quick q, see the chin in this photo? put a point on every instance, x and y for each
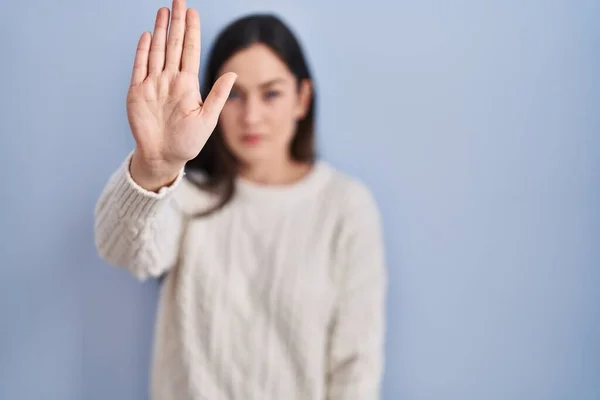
(253, 155)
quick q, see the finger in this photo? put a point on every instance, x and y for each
(215, 101)
(159, 39)
(190, 59)
(176, 33)
(140, 62)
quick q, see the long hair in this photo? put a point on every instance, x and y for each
(215, 161)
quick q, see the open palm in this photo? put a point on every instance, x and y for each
(168, 119)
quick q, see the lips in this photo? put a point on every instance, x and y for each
(252, 138)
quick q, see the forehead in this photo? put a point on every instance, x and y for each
(256, 65)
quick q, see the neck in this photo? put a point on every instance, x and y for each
(275, 172)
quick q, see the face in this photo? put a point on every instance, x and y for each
(259, 119)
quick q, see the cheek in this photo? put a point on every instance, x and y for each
(228, 114)
(228, 120)
(283, 119)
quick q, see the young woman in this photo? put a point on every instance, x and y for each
(273, 263)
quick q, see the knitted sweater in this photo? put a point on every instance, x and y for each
(278, 296)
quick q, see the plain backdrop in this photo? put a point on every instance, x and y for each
(475, 123)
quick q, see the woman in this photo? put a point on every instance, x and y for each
(273, 265)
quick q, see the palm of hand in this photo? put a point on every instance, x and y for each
(168, 119)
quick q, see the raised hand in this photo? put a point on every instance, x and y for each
(168, 119)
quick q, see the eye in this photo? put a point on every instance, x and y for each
(233, 95)
(271, 94)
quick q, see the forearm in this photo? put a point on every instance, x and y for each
(357, 352)
(137, 229)
(356, 355)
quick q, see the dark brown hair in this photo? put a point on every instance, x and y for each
(216, 162)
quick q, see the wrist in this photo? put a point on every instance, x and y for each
(152, 176)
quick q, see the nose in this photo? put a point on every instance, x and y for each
(252, 110)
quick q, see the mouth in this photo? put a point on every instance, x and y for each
(252, 138)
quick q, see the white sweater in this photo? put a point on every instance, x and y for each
(278, 296)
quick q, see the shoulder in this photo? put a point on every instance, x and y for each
(189, 195)
(358, 239)
(350, 195)
(353, 205)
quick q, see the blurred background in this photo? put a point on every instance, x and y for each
(475, 123)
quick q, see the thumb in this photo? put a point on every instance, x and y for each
(215, 101)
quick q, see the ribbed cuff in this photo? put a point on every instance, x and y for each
(135, 202)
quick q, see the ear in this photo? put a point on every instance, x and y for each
(304, 98)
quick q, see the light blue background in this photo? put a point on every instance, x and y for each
(476, 124)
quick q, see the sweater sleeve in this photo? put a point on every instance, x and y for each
(356, 351)
(137, 229)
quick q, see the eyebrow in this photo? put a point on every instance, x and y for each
(271, 82)
(265, 84)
